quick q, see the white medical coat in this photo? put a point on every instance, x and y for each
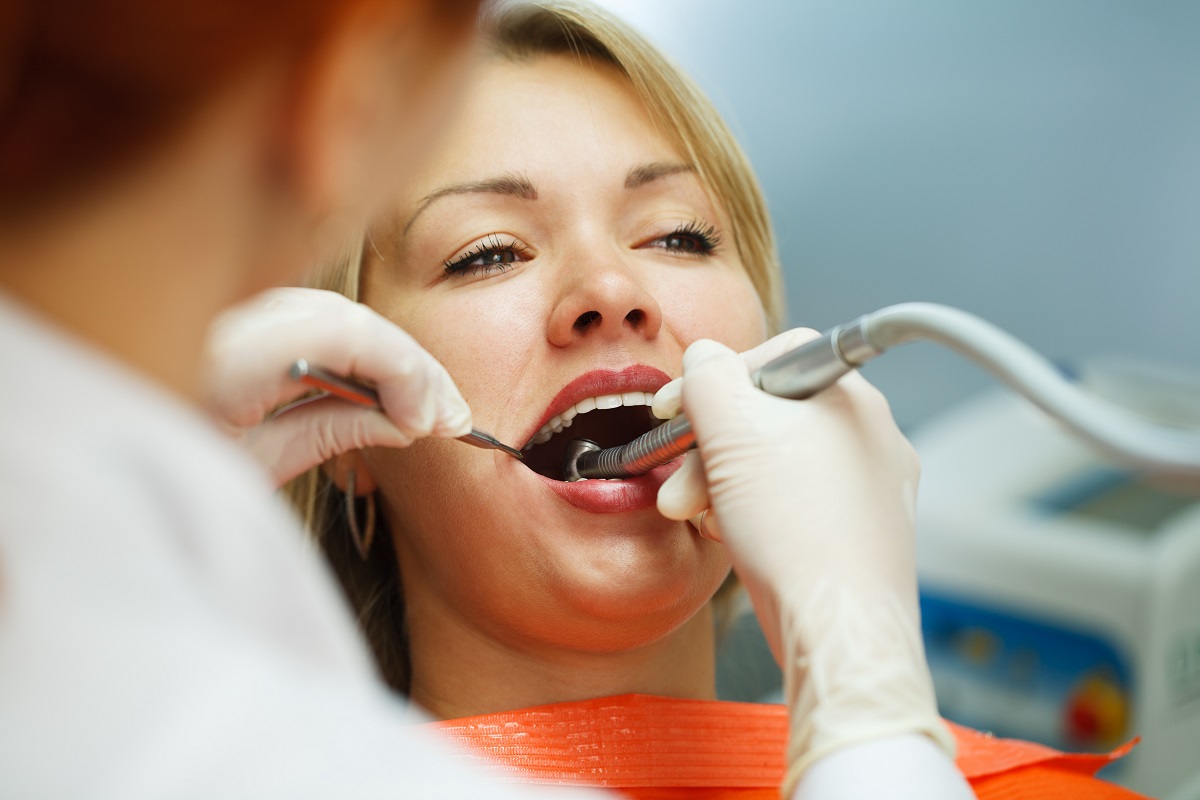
(164, 631)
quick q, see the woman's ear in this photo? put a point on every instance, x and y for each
(339, 469)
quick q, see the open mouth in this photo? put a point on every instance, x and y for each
(608, 420)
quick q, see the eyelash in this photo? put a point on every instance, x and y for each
(706, 237)
(490, 247)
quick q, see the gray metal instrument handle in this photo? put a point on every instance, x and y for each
(816, 365)
(796, 374)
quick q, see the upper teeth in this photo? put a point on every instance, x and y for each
(558, 422)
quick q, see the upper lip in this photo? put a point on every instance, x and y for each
(634, 378)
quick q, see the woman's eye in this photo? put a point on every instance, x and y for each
(692, 239)
(490, 255)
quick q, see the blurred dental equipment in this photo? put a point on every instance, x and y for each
(1060, 596)
(816, 365)
(340, 387)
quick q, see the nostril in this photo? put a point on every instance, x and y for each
(635, 318)
(585, 320)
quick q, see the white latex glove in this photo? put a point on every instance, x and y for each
(252, 345)
(814, 501)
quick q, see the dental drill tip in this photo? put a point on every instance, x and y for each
(575, 450)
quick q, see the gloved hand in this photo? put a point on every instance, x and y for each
(814, 501)
(252, 345)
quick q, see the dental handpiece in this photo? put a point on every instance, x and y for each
(818, 364)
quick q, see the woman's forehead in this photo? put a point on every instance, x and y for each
(550, 119)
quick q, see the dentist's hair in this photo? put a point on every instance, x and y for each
(87, 89)
(685, 118)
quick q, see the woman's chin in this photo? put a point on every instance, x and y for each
(616, 557)
(597, 570)
(619, 623)
(604, 611)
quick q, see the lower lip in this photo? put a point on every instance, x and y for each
(613, 497)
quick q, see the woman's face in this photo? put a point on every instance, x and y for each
(557, 256)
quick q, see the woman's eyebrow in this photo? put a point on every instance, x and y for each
(645, 173)
(513, 185)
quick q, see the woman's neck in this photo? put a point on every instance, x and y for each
(458, 672)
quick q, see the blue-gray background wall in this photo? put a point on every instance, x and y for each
(1036, 162)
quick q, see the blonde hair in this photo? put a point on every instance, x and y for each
(685, 118)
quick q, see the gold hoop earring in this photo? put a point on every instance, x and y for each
(362, 542)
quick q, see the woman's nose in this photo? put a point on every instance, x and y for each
(607, 301)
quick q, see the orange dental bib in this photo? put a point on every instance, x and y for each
(652, 748)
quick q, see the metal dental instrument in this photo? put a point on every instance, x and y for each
(345, 389)
(818, 364)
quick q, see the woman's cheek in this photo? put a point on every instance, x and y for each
(747, 329)
(480, 334)
(722, 306)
